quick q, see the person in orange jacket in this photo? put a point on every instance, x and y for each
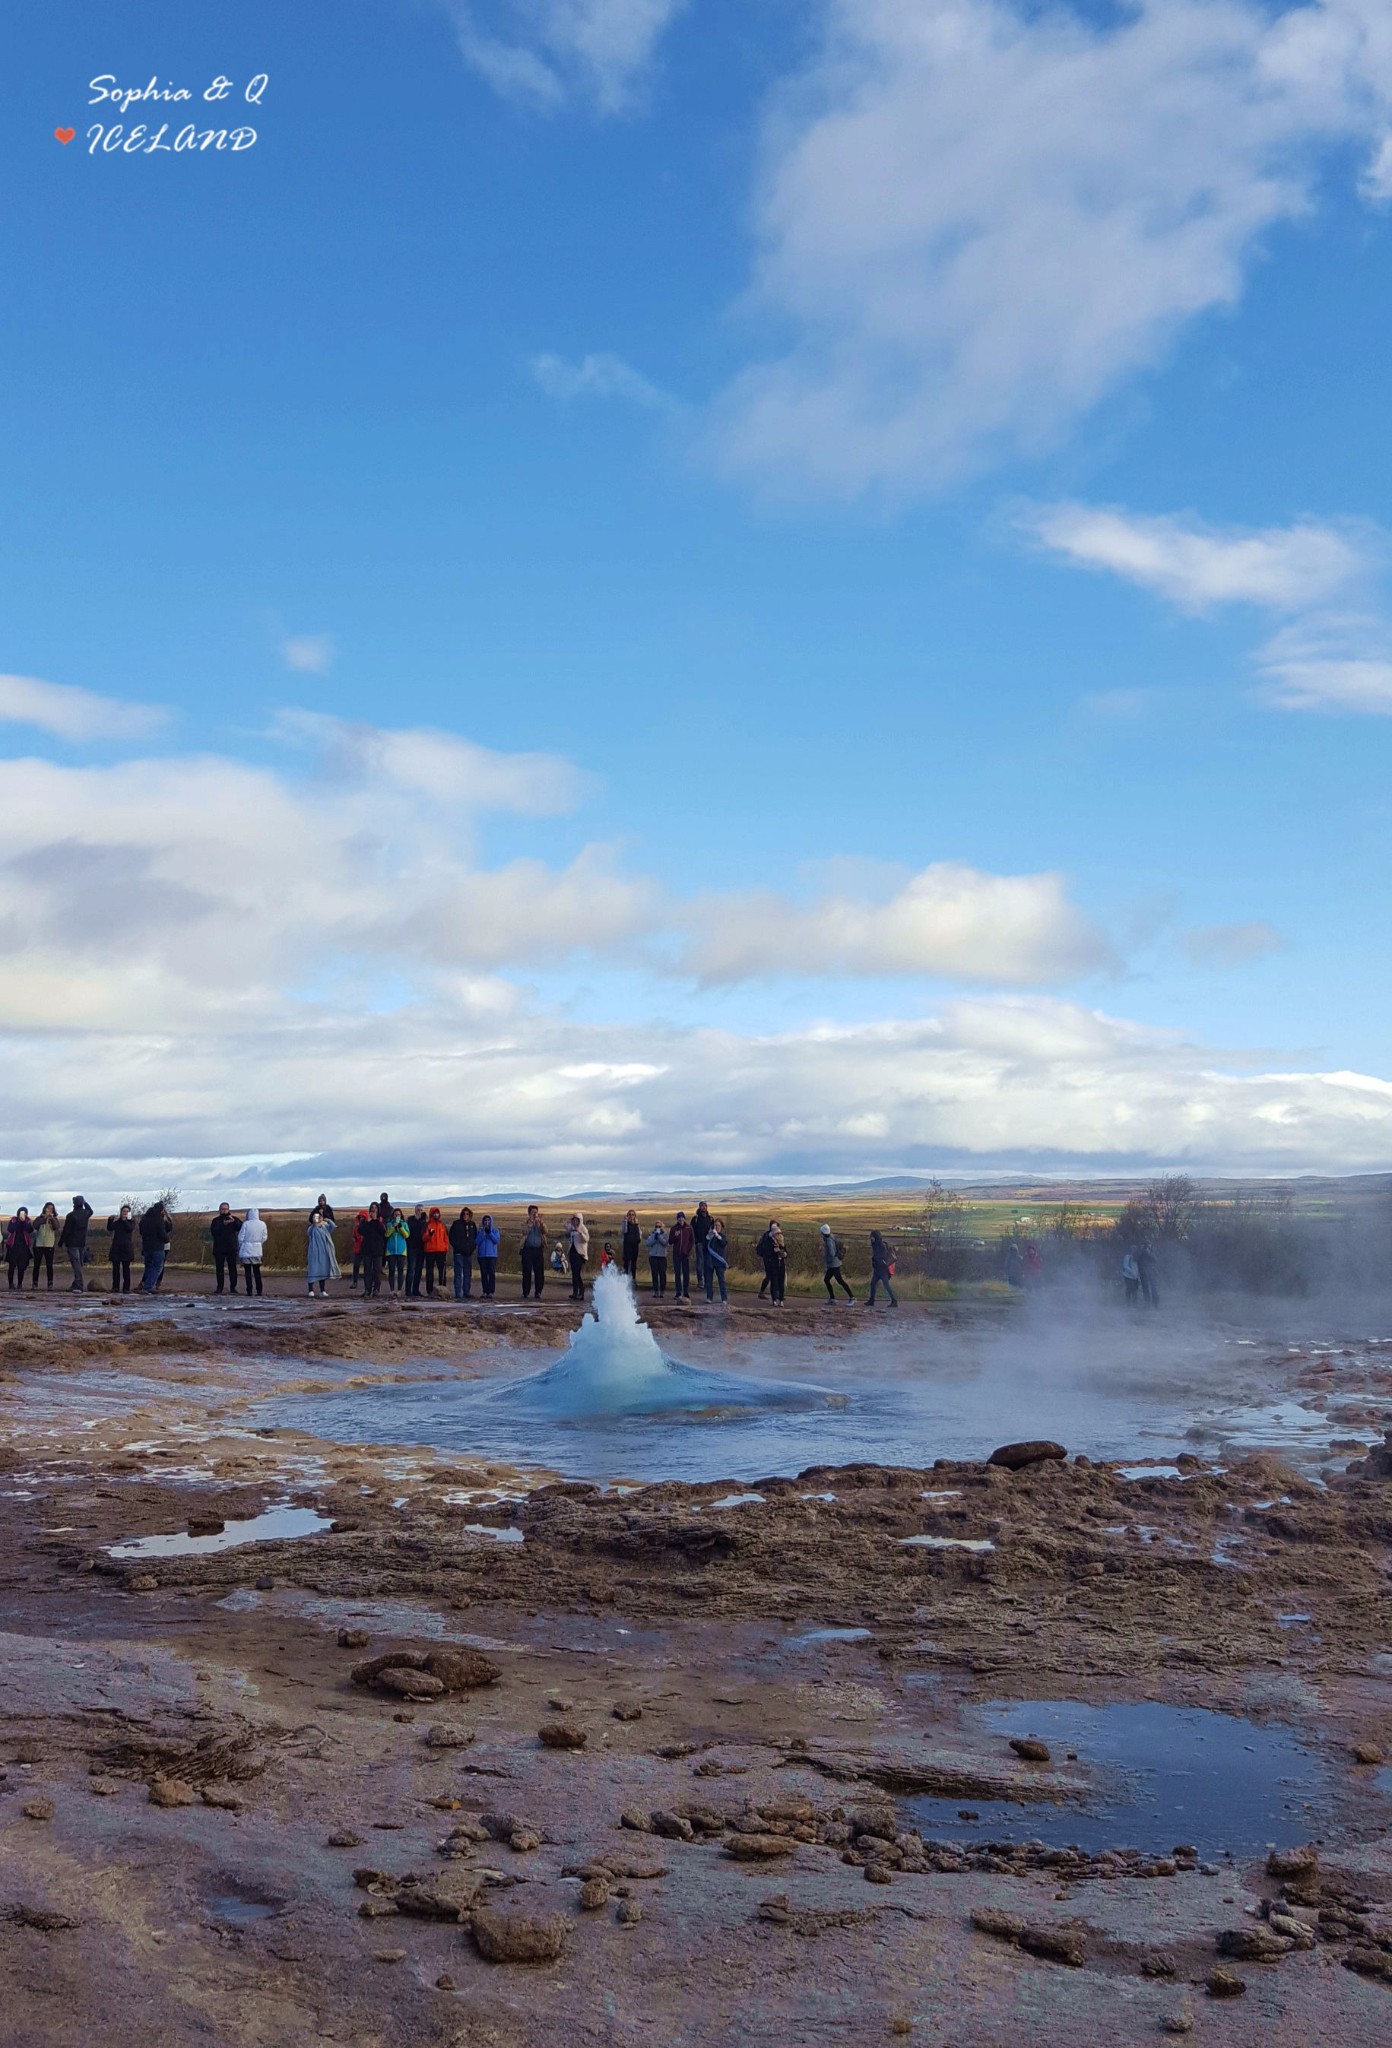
(436, 1245)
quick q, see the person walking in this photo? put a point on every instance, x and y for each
(832, 1275)
(657, 1260)
(372, 1249)
(774, 1254)
(463, 1242)
(120, 1229)
(437, 1244)
(19, 1247)
(577, 1252)
(1130, 1275)
(534, 1237)
(46, 1232)
(632, 1244)
(355, 1244)
(73, 1239)
(1148, 1272)
(398, 1238)
(321, 1258)
(489, 1245)
(156, 1231)
(415, 1248)
(251, 1243)
(225, 1231)
(881, 1269)
(700, 1231)
(717, 1258)
(681, 1239)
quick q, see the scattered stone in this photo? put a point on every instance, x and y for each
(390, 1955)
(1015, 1457)
(1155, 1965)
(758, 1848)
(1370, 1962)
(442, 1736)
(1300, 1862)
(462, 1670)
(403, 1717)
(505, 1937)
(142, 1582)
(28, 1751)
(674, 1826)
(224, 1800)
(638, 1818)
(1290, 1929)
(1031, 1749)
(1055, 1944)
(1224, 1984)
(344, 1838)
(990, 1920)
(353, 1639)
(265, 1585)
(562, 1735)
(426, 1674)
(1254, 1944)
(409, 1683)
(560, 1703)
(206, 1525)
(43, 1919)
(594, 1893)
(878, 1873)
(626, 1710)
(1368, 1753)
(1179, 2021)
(444, 1982)
(463, 1837)
(37, 1809)
(171, 1792)
(103, 1788)
(524, 1840)
(630, 1912)
(377, 1909)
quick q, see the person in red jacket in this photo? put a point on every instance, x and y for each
(436, 1244)
(356, 1245)
(681, 1242)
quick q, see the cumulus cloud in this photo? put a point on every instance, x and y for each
(72, 714)
(597, 376)
(308, 654)
(949, 920)
(424, 761)
(975, 216)
(1193, 566)
(544, 52)
(1230, 945)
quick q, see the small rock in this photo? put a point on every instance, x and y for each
(407, 1717)
(344, 1838)
(171, 1792)
(37, 1809)
(1367, 1753)
(265, 1585)
(674, 1826)
(900, 2023)
(1178, 2021)
(1370, 1962)
(442, 1736)
(224, 1799)
(524, 1840)
(758, 1848)
(1157, 1966)
(562, 1735)
(28, 1751)
(206, 1525)
(1031, 1749)
(1299, 1862)
(638, 1818)
(561, 1703)
(1224, 1984)
(1254, 1944)
(626, 1710)
(444, 1982)
(143, 1582)
(1014, 1457)
(504, 1937)
(990, 1920)
(1055, 1944)
(377, 1909)
(594, 1893)
(43, 1919)
(103, 1788)
(410, 1684)
(630, 1913)
(878, 1873)
(389, 1955)
(353, 1639)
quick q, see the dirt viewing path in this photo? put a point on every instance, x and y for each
(323, 1718)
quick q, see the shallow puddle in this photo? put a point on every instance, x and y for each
(274, 1525)
(238, 1911)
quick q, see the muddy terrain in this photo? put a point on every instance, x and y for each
(378, 1742)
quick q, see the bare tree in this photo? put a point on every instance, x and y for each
(943, 1232)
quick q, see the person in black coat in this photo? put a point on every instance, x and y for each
(372, 1241)
(632, 1245)
(223, 1230)
(156, 1231)
(415, 1248)
(463, 1237)
(121, 1230)
(74, 1241)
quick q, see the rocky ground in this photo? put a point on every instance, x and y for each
(651, 1773)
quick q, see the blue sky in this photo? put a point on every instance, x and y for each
(916, 473)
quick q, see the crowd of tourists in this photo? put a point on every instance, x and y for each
(414, 1252)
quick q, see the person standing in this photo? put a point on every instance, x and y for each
(355, 1244)
(19, 1246)
(657, 1259)
(121, 1230)
(881, 1269)
(534, 1237)
(46, 1232)
(717, 1258)
(463, 1242)
(1130, 1275)
(831, 1265)
(1147, 1272)
(415, 1248)
(156, 1230)
(488, 1248)
(774, 1254)
(632, 1245)
(681, 1239)
(700, 1231)
(577, 1251)
(325, 1208)
(372, 1249)
(436, 1243)
(225, 1231)
(397, 1241)
(73, 1240)
(251, 1243)
(321, 1258)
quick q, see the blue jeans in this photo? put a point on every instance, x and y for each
(154, 1269)
(715, 1270)
(878, 1280)
(463, 1275)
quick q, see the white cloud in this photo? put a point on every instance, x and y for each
(544, 52)
(1330, 664)
(1376, 185)
(949, 920)
(976, 216)
(1285, 568)
(71, 714)
(1230, 945)
(597, 376)
(309, 654)
(440, 765)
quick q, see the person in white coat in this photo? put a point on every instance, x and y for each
(251, 1242)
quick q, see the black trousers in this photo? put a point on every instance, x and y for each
(371, 1274)
(226, 1263)
(577, 1277)
(681, 1274)
(415, 1259)
(434, 1270)
(43, 1256)
(488, 1277)
(253, 1278)
(775, 1275)
(17, 1269)
(835, 1273)
(658, 1269)
(120, 1276)
(630, 1263)
(396, 1271)
(533, 1270)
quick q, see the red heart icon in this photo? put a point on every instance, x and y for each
(65, 135)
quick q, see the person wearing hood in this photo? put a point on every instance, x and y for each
(156, 1230)
(251, 1242)
(831, 1265)
(774, 1253)
(372, 1249)
(415, 1248)
(700, 1231)
(681, 1240)
(325, 1208)
(46, 1231)
(224, 1232)
(321, 1258)
(881, 1269)
(717, 1258)
(489, 1245)
(398, 1238)
(121, 1230)
(437, 1244)
(577, 1251)
(355, 1244)
(534, 1238)
(19, 1246)
(632, 1245)
(463, 1242)
(657, 1259)
(74, 1241)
